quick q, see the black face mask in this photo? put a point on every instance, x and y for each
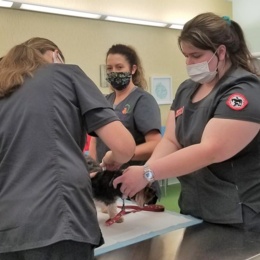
(119, 80)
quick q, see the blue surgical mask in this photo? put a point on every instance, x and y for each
(200, 72)
(119, 80)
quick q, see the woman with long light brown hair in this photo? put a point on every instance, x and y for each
(46, 109)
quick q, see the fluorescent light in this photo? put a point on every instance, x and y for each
(52, 10)
(256, 55)
(6, 4)
(134, 21)
(60, 11)
(176, 26)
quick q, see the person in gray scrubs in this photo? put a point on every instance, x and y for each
(136, 108)
(46, 109)
(212, 138)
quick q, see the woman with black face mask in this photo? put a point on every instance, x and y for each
(136, 108)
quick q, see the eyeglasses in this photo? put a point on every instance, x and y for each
(59, 57)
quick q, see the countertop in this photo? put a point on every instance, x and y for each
(202, 241)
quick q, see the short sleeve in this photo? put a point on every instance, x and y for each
(97, 118)
(147, 114)
(88, 94)
(240, 102)
(94, 107)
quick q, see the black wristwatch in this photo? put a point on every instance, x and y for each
(148, 174)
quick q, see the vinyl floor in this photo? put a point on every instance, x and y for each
(170, 199)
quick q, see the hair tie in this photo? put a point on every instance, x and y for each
(227, 19)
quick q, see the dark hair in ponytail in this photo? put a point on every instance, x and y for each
(208, 31)
(131, 56)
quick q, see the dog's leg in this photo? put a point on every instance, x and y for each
(112, 212)
(101, 206)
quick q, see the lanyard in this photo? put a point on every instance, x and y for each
(126, 209)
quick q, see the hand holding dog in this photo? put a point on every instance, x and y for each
(108, 162)
(132, 181)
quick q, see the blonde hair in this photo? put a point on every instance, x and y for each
(21, 62)
(131, 56)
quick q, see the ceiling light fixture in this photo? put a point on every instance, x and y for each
(52, 10)
(134, 21)
(6, 4)
(176, 26)
(256, 55)
(60, 11)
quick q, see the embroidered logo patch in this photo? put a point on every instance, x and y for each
(179, 111)
(237, 101)
(126, 109)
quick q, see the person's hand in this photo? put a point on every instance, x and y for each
(132, 181)
(92, 174)
(108, 162)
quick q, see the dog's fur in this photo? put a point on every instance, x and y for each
(104, 192)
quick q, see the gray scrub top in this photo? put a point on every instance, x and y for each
(139, 113)
(216, 193)
(45, 189)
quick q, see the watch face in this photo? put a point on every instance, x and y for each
(149, 175)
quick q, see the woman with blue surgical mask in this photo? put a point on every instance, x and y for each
(212, 138)
(200, 72)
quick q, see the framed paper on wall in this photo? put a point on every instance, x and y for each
(161, 89)
(103, 75)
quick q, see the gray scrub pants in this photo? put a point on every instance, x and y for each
(64, 250)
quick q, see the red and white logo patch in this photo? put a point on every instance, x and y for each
(237, 101)
(179, 111)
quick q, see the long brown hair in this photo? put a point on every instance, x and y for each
(131, 56)
(207, 31)
(21, 61)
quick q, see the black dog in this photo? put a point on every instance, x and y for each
(102, 186)
(103, 190)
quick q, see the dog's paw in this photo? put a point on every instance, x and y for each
(113, 211)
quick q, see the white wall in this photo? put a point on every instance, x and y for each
(169, 11)
(86, 41)
(247, 14)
